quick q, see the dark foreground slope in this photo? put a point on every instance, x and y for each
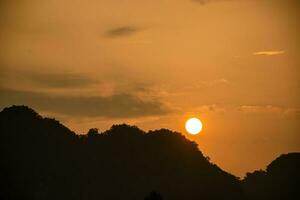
(280, 180)
(42, 159)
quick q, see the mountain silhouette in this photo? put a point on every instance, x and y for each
(42, 159)
(280, 180)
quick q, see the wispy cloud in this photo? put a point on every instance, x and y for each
(210, 108)
(249, 109)
(204, 2)
(271, 109)
(49, 78)
(269, 53)
(260, 109)
(208, 84)
(122, 31)
(115, 106)
(61, 80)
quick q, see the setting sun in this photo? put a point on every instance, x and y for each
(150, 100)
(193, 126)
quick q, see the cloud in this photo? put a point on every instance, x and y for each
(203, 2)
(122, 31)
(48, 79)
(210, 108)
(60, 80)
(249, 109)
(269, 53)
(271, 109)
(115, 106)
(207, 84)
(261, 109)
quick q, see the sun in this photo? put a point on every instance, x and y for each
(193, 126)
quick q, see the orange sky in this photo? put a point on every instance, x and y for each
(92, 63)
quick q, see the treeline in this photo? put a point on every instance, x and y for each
(42, 159)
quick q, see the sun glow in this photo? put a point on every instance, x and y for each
(193, 126)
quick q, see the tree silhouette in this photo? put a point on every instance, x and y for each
(92, 132)
(42, 159)
(154, 196)
(280, 180)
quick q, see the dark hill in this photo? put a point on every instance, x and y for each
(45, 160)
(281, 180)
(42, 159)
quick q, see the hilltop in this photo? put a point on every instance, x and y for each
(43, 159)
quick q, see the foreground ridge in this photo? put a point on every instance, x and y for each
(45, 160)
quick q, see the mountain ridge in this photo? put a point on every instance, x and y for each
(46, 160)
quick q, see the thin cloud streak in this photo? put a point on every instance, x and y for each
(204, 2)
(115, 106)
(269, 53)
(61, 80)
(122, 31)
(46, 79)
(249, 109)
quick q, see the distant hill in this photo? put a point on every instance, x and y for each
(281, 180)
(42, 159)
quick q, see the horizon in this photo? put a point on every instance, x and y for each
(233, 64)
(241, 177)
(118, 128)
(43, 159)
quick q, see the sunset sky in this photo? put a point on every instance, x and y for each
(234, 64)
